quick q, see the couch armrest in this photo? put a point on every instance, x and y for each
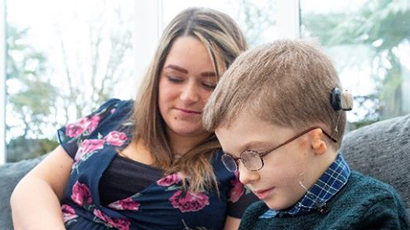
(10, 175)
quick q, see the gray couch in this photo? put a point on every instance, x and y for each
(381, 150)
(10, 175)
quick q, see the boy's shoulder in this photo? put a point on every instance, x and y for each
(362, 193)
(364, 202)
(360, 185)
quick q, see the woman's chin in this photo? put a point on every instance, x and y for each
(189, 132)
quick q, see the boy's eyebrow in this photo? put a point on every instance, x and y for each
(185, 71)
(247, 146)
(252, 145)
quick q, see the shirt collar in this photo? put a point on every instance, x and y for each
(331, 182)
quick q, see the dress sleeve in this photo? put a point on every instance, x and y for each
(71, 135)
(240, 198)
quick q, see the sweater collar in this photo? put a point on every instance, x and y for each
(331, 182)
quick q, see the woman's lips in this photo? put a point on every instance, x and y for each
(189, 111)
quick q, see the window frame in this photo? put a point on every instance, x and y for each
(288, 19)
(2, 81)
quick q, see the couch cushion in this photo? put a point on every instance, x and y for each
(382, 150)
(10, 175)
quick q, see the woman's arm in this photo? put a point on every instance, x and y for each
(35, 201)
(231, 223)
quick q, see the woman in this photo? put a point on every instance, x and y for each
(148, 164)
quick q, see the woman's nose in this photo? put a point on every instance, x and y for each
(190, 93)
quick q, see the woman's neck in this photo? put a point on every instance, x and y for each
(182, 144)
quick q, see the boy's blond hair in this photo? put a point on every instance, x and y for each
(287, 83)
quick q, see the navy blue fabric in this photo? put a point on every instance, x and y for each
(162, 205)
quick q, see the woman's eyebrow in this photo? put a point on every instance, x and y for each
(208, 74)
(177, 68)
(185, 71)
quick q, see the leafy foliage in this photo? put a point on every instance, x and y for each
(382, 26)
(85, 68)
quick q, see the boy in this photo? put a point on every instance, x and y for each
(279, 114)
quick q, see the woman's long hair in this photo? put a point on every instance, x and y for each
(224, 41)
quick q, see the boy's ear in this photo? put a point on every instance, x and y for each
(318, 145)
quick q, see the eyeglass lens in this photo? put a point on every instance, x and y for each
(250, 159)
(229, 163)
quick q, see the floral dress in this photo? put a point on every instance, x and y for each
(94, 142)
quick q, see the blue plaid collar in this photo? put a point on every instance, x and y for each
(331, 182)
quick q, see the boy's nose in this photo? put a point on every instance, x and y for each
(247, 176)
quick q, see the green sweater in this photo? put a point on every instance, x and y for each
(363, 203)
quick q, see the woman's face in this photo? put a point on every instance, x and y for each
(186, 82)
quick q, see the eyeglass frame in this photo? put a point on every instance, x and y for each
(262, 154)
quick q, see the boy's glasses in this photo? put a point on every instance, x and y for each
(253, 160)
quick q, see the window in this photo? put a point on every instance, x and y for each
(255, 17)
(369, 40)
(63, 59)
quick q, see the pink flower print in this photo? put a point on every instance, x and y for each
(169, 180)
(190, 202)
(68, 213)
(76, 129)
(104, 218)
(80, 194)
(93, 123)
(118, 223)
(112, 111)
(89, 146)
(116, 138)
(85, 123)
(237, 189)
(101, 215)
(126, 204)
(122, 224)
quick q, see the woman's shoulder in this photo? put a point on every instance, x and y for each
(117, 105)
(115, 110)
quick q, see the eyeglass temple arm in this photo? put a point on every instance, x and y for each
(296, 137)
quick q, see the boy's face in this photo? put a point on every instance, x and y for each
(277, 183)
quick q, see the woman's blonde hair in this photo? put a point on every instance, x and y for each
(224, 41)
(286, 83)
